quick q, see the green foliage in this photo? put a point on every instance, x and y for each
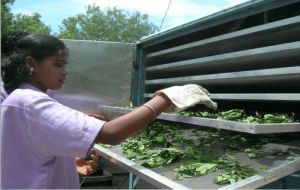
(31, 23)
(163, 156)
(96, 24)
(199, 152)
(154, 142)
(110, 25)
(194, 169)
(234, 175)
(6, 15)
(242, 116)
(233, 171)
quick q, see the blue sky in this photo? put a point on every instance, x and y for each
(180, 11)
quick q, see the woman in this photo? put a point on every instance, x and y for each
(8, 47)
(41, 137)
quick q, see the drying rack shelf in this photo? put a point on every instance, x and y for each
(164, 177)
(112, 112)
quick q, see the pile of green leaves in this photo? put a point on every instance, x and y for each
(232, 171)
(194, 169)
(241, 116)
(235, 174)
(199, 151)
(163, 156)
(156, 145)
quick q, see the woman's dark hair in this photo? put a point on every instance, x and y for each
(9, 41)
(14, 70)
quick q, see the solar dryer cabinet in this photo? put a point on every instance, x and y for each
(247, 56)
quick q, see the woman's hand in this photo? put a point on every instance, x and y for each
(186, 96)
(88, 167)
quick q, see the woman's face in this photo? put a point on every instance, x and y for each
(51, 73)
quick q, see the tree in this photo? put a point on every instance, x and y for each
(31, 23)
(6, 15)
(112, 25)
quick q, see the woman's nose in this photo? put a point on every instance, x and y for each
(65, 71)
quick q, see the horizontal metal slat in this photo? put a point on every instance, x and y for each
(272, 32)
(231, 60)
(251, 96)
(227, 15)
(244, 77)
(255, 97)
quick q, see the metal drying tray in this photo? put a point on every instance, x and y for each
(112, 112)
(278, 166)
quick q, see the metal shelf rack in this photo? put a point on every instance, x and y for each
(247, 56)
(277, 166)
(113, 112)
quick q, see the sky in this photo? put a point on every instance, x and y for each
(178, 12)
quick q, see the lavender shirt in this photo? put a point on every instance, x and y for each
(40, 140)
(3, 92)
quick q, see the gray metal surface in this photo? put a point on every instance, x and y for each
(251, 96)
(277, 166)
(291, 74)
(256, 97)
(241, 60)
(285, 169)
(233, 125)
(99, 73)
(240, 11)
(263, 35)
(144, 173)
(250, 48)
(112, 112)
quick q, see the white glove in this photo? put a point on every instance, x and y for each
(188, 95)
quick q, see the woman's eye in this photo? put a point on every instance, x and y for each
(60, 65)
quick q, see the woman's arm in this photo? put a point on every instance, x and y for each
(175, 98)
(117, 130)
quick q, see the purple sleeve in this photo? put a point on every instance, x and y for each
(3, 92)
(56, 130)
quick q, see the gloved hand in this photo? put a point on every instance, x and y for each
(186, 96)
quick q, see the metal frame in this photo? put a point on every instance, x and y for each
(243, 77)
(243, 39)
(214, 123)
(284, 169)
(267, 177)
(224, 57)
(258, 62)
(252, 96)
(134, 168)
(236, 59)
(234, 13)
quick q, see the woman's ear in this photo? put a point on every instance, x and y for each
(29, 62)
